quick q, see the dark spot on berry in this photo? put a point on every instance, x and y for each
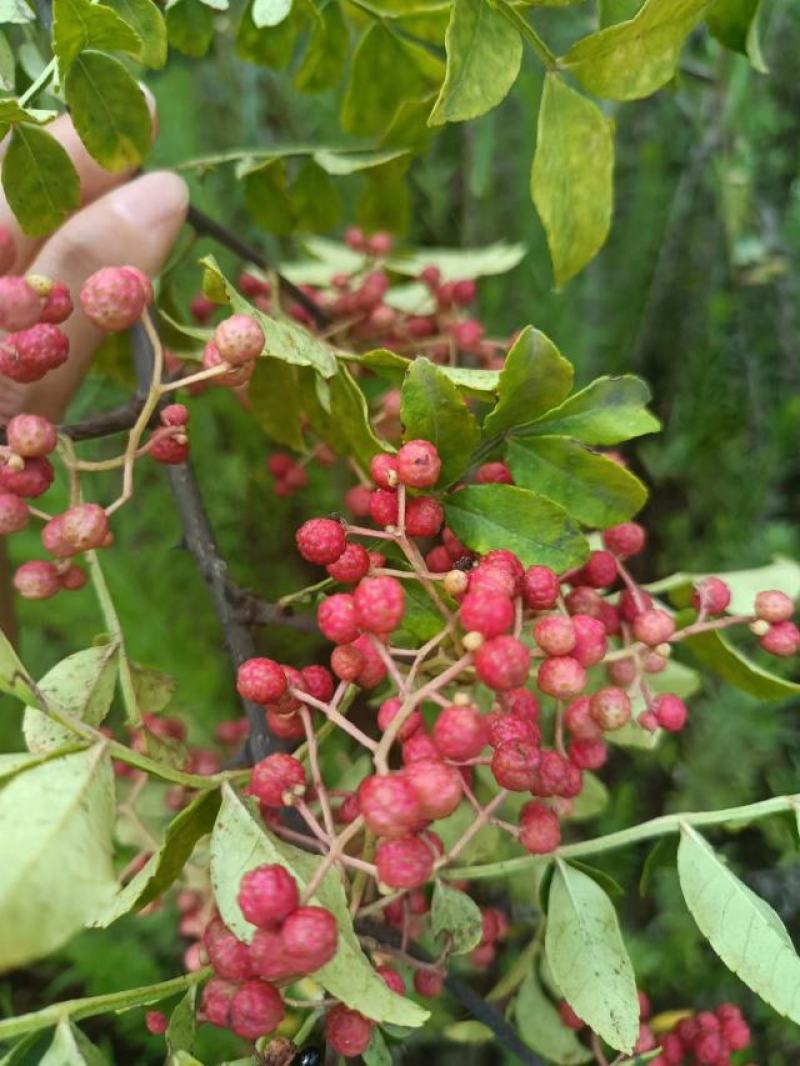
(465, 563)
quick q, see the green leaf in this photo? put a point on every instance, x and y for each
(14, 678)
(574, 197)
(634, 58)
(385, 201)
(433, 409)
(7, 65)
(56, 822)
(457, 915)
(717, 653)
(183, 1023)
(12, 111)
(272, 46)
(16, 762)
(166, 864)
(470, 1031)
(15, 11)
(540, 1026)
(420, 618)
(484, 52)
(735, 24)
(481, 384)
(190, 27)
(595, 490)
(284, 339)
(154, 689)
(316, 204)
(345, 424)
(109, 110)
(326, 53)
(240, 843)
(741, 927)
(71, 1048)
(80, 24)
(83, 686)
(275, 402)
(39, 180)
(608, 411)
(342, 163)
(377, 1054)
(148, 23)
(267, 198)
(663, 853)
(613, 11)
(385, 71)
(269, 12)
(588, 958)
(456, 264)
(505, 516)
(535, 378)
(591, 801)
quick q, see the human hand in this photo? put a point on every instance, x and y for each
(122, 221)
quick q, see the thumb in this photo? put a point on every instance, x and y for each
(134, 225)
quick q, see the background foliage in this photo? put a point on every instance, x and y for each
(696, 290)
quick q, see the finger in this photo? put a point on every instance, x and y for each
(134, 225)
(94, 181)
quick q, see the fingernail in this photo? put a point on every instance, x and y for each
(151, 199)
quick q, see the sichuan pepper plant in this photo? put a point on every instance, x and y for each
(413, 814)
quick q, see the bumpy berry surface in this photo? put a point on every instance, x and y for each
(418, 464)
(774, 606)
(424, 516)
(19, 304)
(28, 355)
(275, 777)
(539, 828)
(256, 1009)
(555, 634)
(227, 954)
(37, 580)
(561, 677)
(489, 613)
(14, 513)
(460, 733)
(389, 804)
(351, 566)
(437, 786)
(347, 1032)
(239, 339)
(337, 619)
(405, 862)
(321, 540)
(503, 663)
(610, 708)
(626, 539)
(261, 681)
(30, 435)
(267, 895)
(379, 604)
(113, 298)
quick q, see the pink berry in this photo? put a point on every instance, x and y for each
(493, 474)
(337, 619)
(505, 728)
(354, 238)
(113, 298)
(774, 606)
(561, 677)
(373, 670)
(226, 953)
(670, 712)
(712, 594)
(356, 501)
(379, 603)
(351, 566)
(267, 895)
(632, 604)
(539, 828)
(277, 777)
(578, 720)
(428, 983)
(216, 1002)
(626, 539)
(489, 613)
(57, 306)
(347, 662)
(522, 703)
(513, 765)
(317, 682)
(37, 580)
(20, 304)
(321, 540)
(568, 1016)
(388, 712)
(424, 516)
(486, 579)
(508, 561)
(31, 435)
(30, 354)
(420, 748)
(591, 644)
(389, 804)
(540, 588)
(239, 339)
(310, 938)
(14, 514)
(467, 334)
(84, 527)
(610, 708)
(35, 478)
(555, 634)
(588, 754)
(555, 776)
(782, 639)
(235, 375)
(383, 470)
(383, 507)
(405, 862)
(392, 979)
(167, 448)
(437, 786)
(460, 733)
(8, 250)
(653, 627)
(261, 681)
(156, 1022)
(347, 1032)
(380, 243)
(464, 292)
(455, 549)
(286, 726)
(503, 663)
(255, 1010)
(252, 286)
(600, 570)
(418, 464)
(268, 960)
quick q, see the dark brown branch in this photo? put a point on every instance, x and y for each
(208, 227)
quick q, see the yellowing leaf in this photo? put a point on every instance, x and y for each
(572, 177)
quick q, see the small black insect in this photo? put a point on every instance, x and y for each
(309, 1056)
(466, 563)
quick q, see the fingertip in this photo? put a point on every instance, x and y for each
(152, 199)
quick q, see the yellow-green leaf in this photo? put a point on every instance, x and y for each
(80, 24)
(735, 24)
(634, 58)
(540, 1025)
(148, 22)
(326, 52)
(190, 27)
(572, 176)
(484, 52)
(608, 411)
(109, 110)
(39, 180)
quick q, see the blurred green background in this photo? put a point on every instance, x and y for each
(697, 291)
